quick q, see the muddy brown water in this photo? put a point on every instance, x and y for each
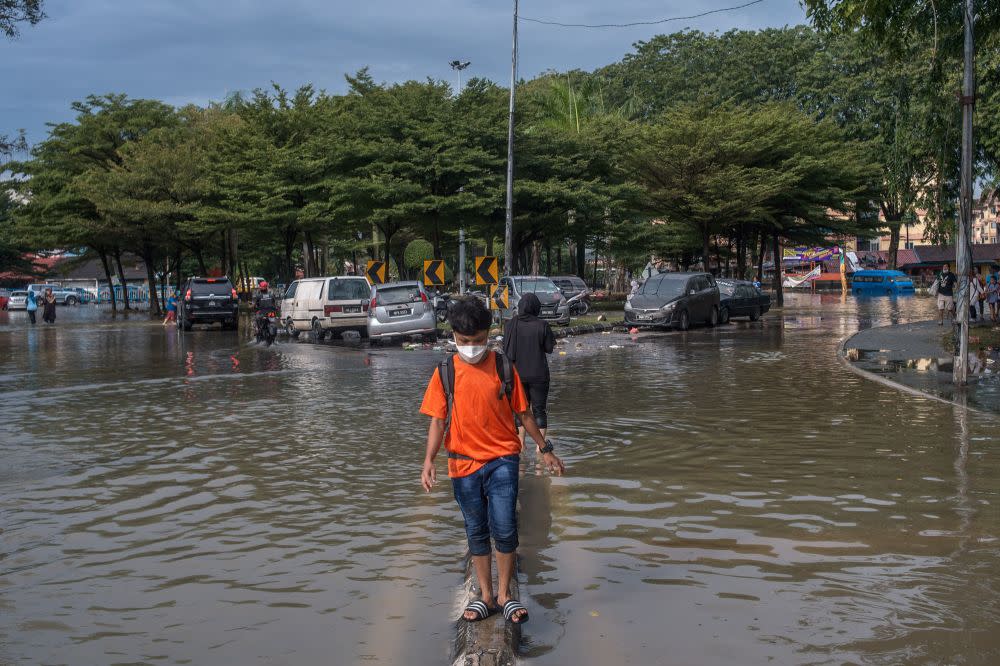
(734, 496)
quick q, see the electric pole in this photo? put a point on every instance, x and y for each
(963, 251)
(508, 236)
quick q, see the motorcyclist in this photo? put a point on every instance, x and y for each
(263, 302)
(264, 307)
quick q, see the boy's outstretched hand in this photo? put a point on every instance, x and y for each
(553, 463)
(429, 476)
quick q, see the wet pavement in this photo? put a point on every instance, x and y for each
(734, 496)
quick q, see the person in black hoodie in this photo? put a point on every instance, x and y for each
(526, 341)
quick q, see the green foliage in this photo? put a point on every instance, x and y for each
(418, 251)
(15, 12)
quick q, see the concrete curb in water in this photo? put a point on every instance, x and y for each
(879, 379)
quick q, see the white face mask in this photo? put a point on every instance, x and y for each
(472, 353)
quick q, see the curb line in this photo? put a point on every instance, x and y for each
(879, 379)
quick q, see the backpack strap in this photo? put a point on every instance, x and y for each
(505, 371)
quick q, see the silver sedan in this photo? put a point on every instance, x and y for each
(400, 309)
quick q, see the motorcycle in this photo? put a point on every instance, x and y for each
(579, 305)
(266, 327)
(441, 302)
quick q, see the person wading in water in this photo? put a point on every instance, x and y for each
(526, 341)
(472, 399)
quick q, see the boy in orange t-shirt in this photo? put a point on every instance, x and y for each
(483, 452)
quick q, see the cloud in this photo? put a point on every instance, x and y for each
(191, 51)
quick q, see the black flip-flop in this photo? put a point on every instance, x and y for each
(512, 607)
(481, 610)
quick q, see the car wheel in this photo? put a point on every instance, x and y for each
(724, 316)
(755, 314)
(317, 333)
(71, 300)
(684, 322)
(713, 319)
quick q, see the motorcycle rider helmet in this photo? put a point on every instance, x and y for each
(262, 286)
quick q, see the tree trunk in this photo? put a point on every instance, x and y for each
(199, 255)
(706, 248)
(894, 226)
(290, 235)
(154, 301)
(779, 295)
(559, 263)
(548, 258)
(121, 279)
(581, 259)
(111, 285)
(760, 257)
(223, 254)
(177, 269)
(536, 262)
(741, 254)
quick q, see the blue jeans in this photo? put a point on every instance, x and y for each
(488, 499)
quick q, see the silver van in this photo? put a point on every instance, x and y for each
(401, 309)
(326, 305)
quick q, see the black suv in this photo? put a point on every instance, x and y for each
(208, 300)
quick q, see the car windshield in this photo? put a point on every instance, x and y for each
(536, 286)
(18, 294)
(664, 286)
(219, 287)
(348, 290)
(409, 293)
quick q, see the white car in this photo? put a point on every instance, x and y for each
(326, 305)
(18, 300)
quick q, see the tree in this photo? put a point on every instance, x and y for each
(14, 12)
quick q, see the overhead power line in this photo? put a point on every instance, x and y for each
(629, 25)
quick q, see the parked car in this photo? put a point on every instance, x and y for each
(400, 309)
(64, 295)
(576, 292)
(4, 298)
(206, 300)
(326, 305)
(739, 298)
(554, 305)
(18, 300)
(674, 300)
(881, 282)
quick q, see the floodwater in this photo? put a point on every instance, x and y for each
(734, 496)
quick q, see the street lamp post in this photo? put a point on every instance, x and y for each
(508, 236)
(963, 251)
(458, 66)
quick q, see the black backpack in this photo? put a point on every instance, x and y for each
(505, 371)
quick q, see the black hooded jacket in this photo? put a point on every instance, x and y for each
(527, 339)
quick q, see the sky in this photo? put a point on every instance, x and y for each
(196, 51)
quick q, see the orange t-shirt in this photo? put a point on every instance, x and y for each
(482, 425)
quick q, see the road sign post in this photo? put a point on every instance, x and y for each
(434, 273)
(487, 270)
(375, 272)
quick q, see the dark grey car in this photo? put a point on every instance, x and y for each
(676, 300)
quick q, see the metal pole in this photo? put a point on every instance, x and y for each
(461, 261)
(963, 260)
(508, 237)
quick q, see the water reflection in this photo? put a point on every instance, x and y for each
(735, 496)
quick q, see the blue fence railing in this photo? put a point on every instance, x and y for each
(137, 295)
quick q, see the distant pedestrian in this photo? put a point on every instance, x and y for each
(946, 294)
(171, 308)
(49, 307)
(977, 293)
(31, 305)
(756, 282)
(993, 296)
(634, 288)
(526, 341)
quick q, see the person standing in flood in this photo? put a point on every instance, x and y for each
(526, 341)
(49, 307)
(31, 306)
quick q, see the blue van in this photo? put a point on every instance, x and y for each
(881, 283)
